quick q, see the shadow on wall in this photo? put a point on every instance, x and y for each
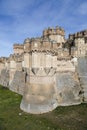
(4, 78)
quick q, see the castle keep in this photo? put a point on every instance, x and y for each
(49, 71)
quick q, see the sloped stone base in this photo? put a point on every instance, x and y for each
(40, 95)
(38, 108)
(68, 89)
(82, 71)
(4, 78)
(18, 83)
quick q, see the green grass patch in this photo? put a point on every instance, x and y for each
(62, 118)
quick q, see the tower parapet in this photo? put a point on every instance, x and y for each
(55, 34)
(43, 70)
(27, 45)
(80, 34)
(18, 48)
(36, 44)
(79, 41)
(54, 31)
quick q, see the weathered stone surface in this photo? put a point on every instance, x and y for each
(40, 95)
(82, 71)
(68, 89)
(82, 66)
(4, 78)
(46, 71)
(18, 83)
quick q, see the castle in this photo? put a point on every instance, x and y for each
(49, 71)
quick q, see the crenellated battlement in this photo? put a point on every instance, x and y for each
(3, 59)
(18, 48)
(16, 58)
(78, 43)
(54, 31)
(44, 70)
(39, 44)
(81, 34)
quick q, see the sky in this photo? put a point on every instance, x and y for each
(20, 19)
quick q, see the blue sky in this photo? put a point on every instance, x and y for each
(20, 19)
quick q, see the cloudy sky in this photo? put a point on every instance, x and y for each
(20, 19)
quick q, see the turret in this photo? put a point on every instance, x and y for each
(27, 45)
(79, 41)
(56, 34)
(18, 48)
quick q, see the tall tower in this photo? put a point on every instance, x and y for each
(40, 94)
(55, 34)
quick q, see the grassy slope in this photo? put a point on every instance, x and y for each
(63, 118)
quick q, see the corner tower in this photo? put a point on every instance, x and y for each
(56, 34)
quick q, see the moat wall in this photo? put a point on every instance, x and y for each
(42, 91)
(49, 71)
(82, 71)
(4, 77)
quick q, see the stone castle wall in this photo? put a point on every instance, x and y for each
(45, 73)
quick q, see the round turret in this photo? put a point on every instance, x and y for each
(36, 44)
(27, 40)
(47, 45)
(27, 45)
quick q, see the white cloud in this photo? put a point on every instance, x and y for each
(27, 18)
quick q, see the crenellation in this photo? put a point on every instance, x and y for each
(54, 31)
(49, 71)
(18, 48)
(80, 34)
(27, 45)
(36, 44)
